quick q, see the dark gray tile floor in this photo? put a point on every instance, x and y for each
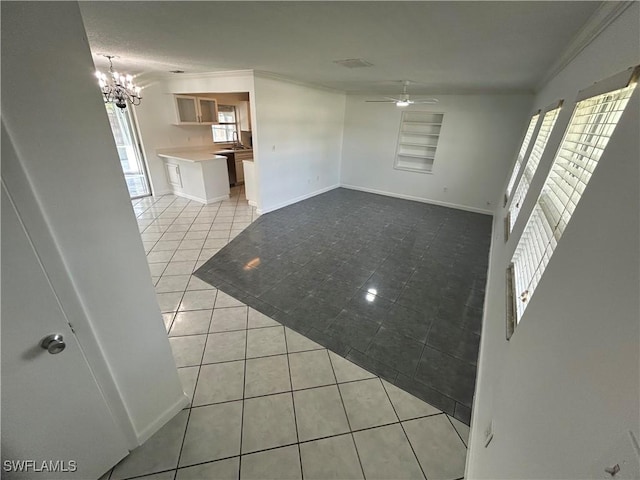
(392, 285)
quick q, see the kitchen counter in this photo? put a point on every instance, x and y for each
(193, 155)
(230, 150)
(198, 175)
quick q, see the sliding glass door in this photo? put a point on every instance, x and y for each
(125, 135)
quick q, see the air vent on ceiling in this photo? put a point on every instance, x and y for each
(353, 63)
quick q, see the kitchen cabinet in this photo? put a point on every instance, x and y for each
(234, 163)
(250, 182)
(197, 175)
(244, 114)
(239, 157)
(191, 110)
(239, 172)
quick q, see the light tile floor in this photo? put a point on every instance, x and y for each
(268, 403)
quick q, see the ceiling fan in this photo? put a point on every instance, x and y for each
(403, 99)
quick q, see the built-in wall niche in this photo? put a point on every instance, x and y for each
(418, 140)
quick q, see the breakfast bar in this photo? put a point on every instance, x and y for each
(196, 174)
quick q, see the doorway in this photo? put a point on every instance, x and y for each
(129, 151)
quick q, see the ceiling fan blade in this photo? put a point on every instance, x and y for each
(429, 101)
(380, 101)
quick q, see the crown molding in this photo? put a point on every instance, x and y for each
(151, 78)
(447, 91)
(293, 81)
(606, 13)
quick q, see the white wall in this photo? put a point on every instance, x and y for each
(478, 141)
(298, 139)
(56, 120)
(564, 391)
(156, 116)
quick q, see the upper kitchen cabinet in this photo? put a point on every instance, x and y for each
(192, 110)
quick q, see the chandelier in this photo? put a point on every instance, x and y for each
(118, 88)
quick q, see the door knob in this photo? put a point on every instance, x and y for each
(53, 343)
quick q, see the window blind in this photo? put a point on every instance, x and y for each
(592, 124)
(548, 121)
(523, 150)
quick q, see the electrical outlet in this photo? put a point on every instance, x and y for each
(273, 148)
(317, 178)
(445, 189)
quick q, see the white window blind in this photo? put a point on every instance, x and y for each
(592, 124)
(548, 121)
(522, 152)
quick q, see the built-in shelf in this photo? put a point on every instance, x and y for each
(417, 141)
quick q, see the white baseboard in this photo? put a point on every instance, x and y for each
(417, 199)
(159, 193)
(217, 199)
(201, 200)
(253, 203)
(159, 422)
(261, 211)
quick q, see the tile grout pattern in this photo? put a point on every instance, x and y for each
(393, 285)
(280, 391)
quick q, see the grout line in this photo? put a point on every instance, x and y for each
(424, 346)
(173, 319)
(404, 431)
(293, 403)
(346, 414)
(307, 441)
(244, 385)
(456, 430)
(195, 387)
(284, 391)
(144, 475)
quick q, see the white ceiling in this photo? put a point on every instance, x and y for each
(444, 46)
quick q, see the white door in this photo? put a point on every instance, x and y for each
(55, 421)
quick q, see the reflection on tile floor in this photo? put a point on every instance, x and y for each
(267, 402)
(392, 285)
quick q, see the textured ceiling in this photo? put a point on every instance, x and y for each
(442, 46)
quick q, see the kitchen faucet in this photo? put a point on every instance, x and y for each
(236, 140)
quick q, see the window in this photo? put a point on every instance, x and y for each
(417, 141)
(548, 121)
(593, 121)
(225, 131)
(523, 150)
(129, 152)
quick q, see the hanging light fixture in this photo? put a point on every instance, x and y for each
(117, 87)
